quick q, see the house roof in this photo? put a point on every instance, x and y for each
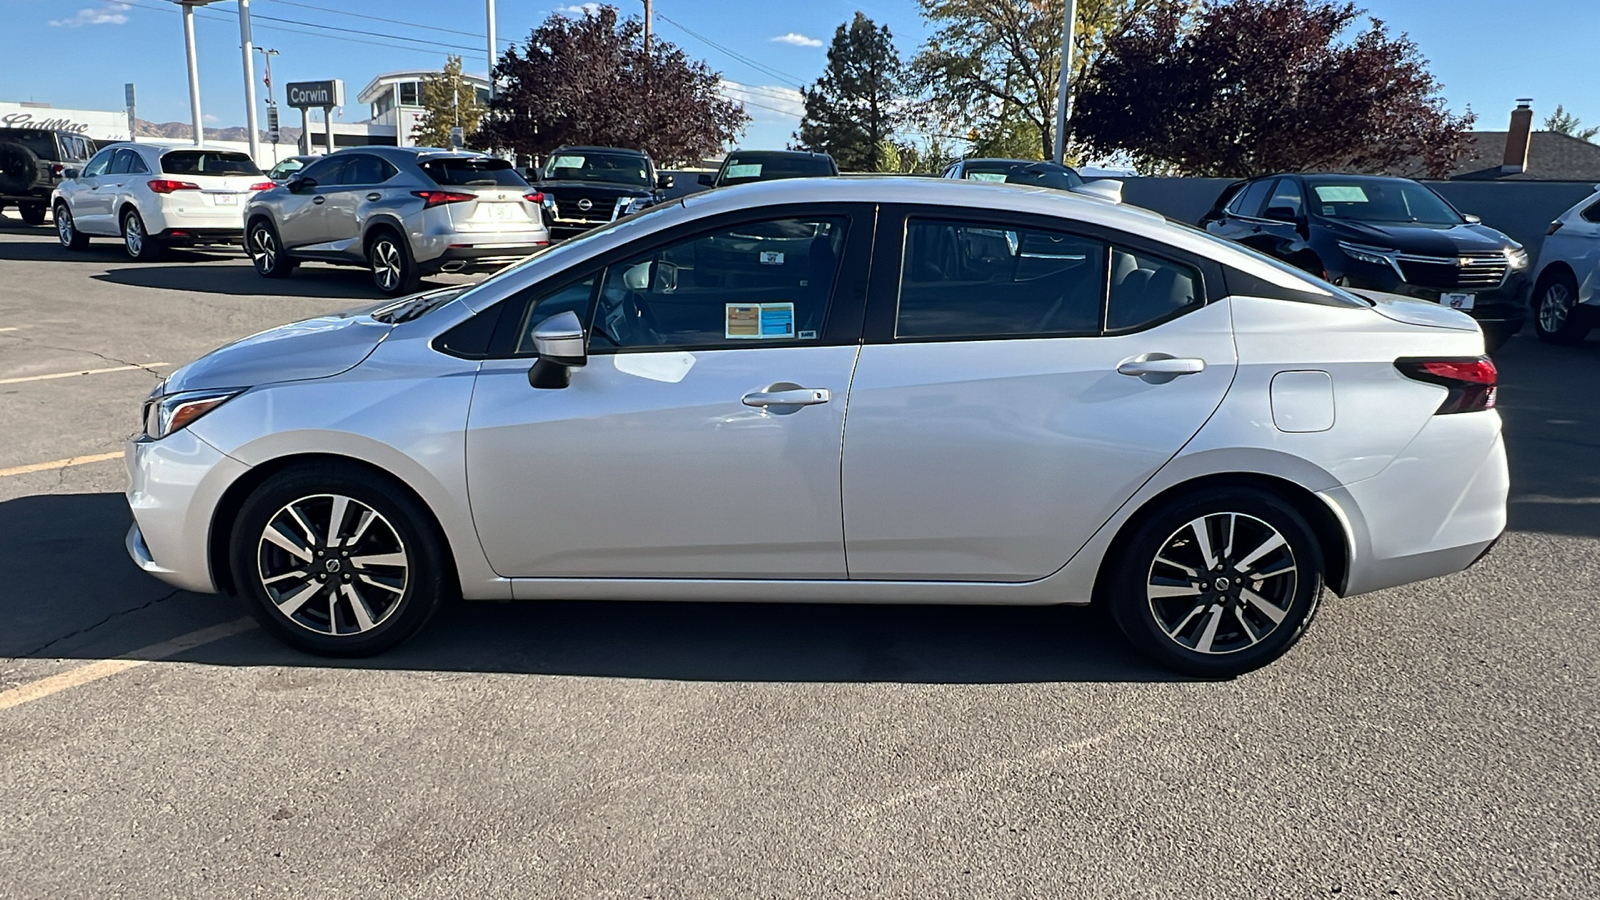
(1552, 156)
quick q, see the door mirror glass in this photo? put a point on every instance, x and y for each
(70, 173)
(664, 182)
(559, 341)
(708, 179)
(301, 185)
(1472, 219)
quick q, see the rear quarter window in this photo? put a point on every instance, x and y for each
(469, 172)
(208, 162)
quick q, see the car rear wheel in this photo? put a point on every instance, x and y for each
(32, 213)
(1558, 318)
(67, 229)
(136, 240)
(335, 561)
(1220, 583)
(266, 253)
(389, 257)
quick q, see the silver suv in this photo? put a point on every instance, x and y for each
(403, 212)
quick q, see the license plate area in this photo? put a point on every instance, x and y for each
(225, 199)
(1457, 301)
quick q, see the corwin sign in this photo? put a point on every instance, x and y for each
(315, 94)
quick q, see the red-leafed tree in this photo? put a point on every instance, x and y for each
(589, 80)
(1239, 88)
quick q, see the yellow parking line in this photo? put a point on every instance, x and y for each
(59, 464)
(80, 372)
(12, 328)
(105, 668)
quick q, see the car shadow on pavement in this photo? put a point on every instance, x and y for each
(1552, 430)
(74, 594)
(241, 280)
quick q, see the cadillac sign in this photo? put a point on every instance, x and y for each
(315, 94)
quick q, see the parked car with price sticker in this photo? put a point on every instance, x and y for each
(1384, 234)
(153, 197)
(402, 212)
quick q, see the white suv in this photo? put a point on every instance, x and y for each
(1566, 292)
(153, 197)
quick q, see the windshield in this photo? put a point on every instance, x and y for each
(208, 162)
(745, 169)
(989, 169)
(1379, 201)
(286, 168)
(588, 165)
(1045, 175)
(480, 171)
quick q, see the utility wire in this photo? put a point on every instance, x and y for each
(793, 81)
(219, 16)
(340, 12)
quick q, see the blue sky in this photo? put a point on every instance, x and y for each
(79, 53)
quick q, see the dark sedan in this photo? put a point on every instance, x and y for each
(590, 186)
(1382, 234)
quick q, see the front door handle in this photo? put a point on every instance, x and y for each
(319, 200)
(374, 196)
(788, 397)
(1159, 368)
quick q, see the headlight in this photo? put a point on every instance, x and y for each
(1374, 255)
(1517, 258)
(165, 414)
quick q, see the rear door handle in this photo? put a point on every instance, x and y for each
(792, 397)
(374, 196)
(1159, 368)
(319, 200)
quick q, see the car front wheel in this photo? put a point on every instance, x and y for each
(67, 229)
(136, 240)
(393, 271)
(266, 252)
(1220, 583)
(336, 561)
(1558, 318)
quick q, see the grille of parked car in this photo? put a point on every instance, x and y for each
(1476, 271)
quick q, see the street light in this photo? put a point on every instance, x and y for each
(246, 47)
(194, 68)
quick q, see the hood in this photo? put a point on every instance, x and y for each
(1417, 312)
(1423, 240)
(315, 348)
(591, 189)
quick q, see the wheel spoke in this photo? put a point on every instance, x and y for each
(299, 519)
(291, 604)
(294, 548)
(1238, 613)
(1267, 546)
(396, 560)
(1165, 591)
(1187, 619)
(293, 573)
(1202, 536)
(1264, 606)
(366, 518)
(368, 579)
(336, 519)
(358, 607)
(1192, 573)
(1208, 634)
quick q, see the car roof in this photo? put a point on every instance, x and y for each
(805, 154)
(588, 149)
(1342, 176)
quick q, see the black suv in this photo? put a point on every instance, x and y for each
(589, 186)
(745, 166)
(1381, 234)
(32, 162)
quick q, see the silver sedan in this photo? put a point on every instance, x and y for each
(1050, 398)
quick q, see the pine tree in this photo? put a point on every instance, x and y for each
(853, 109)
(448, 100)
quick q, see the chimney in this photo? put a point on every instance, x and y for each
(1516, 158)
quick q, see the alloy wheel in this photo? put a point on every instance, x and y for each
(64, 228)
(1222, 583)
(386, 264)
(333, 565)
(264, 249)
(1554, 307)
(133, 234)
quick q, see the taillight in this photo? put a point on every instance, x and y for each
(430, 199)
(534, 197)
(1471, 381)
(167, 186)
(262, 186)
(57, 169)
(1554, 227)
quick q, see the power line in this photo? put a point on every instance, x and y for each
(218, 16)
(340, 12)
(761, 91)
(793, 81)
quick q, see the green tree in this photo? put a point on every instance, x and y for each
(994, 65)
(1563, 122)
(853, 109)
(448, 100)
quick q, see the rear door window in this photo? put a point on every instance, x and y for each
(1146, 289)
(1250, 201)
(126, 162)
(482, 171)
(1592, 214)
(1286, 195)
(208, 162)
(366, 169)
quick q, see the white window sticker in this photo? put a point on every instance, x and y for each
(986, 176)
(771, 258)
(743, 170)
(1341, 193)
(668, 367)
(759, 321)
(567, 162)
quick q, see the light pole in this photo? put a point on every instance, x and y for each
(272, 105)
(647, 23)
(247, 47)
(194, 68)
(492, 49)
(1061, 88)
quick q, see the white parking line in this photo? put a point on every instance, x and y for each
(12, 328)
(81, 372)
(59, 464)
(105, 668)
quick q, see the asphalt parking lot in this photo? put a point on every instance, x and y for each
(1439, 740)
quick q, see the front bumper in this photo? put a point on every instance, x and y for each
(174, 486)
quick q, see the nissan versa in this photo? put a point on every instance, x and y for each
(1051, 399)
(1367, 232)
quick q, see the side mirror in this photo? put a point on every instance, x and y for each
(559, 341)
(1472, 219)
(301, 185)
(71, 173)
(708, 179)
(1281, 214)
(664, 182)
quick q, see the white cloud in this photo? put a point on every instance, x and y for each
(796, 40)
(582, 9)
(766, 102)
(209, 119)
(105, 14)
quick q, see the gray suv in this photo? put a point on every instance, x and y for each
(402, 212)
(32, 162)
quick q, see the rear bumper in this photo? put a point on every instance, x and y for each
(178, 236)
(479, 258)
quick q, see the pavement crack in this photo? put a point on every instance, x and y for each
(116, 615)
(95, 353)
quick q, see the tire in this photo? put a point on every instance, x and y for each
(19, 168)
(1557, 318)
(389, 259)
(32, 213)
(136, 240)
(266, 251)
(1218, 621)
(67, 229)
(348, 605)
